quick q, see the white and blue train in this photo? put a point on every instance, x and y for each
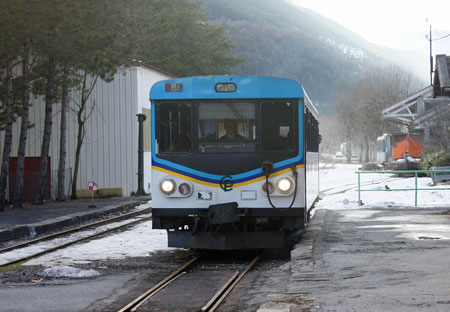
(234, 160)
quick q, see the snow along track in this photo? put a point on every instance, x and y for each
(22, 252)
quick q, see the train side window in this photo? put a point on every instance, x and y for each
(277, 125)
(174, 127)
(311, 132)
(306, 129)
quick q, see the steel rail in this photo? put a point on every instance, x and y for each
(220, 292)
(65, 232)
(134, 309)
(223, 292)
(136, 303)
(40, 253)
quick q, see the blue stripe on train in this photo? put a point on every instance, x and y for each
(214, 178)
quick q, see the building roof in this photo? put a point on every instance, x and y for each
(151, 67)
(441, 82)
(408, 109)
(424, 106)
(440, 108)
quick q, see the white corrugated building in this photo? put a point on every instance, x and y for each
(109, 153)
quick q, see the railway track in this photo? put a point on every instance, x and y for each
(210, 306)
(142, 215)
(223, 292)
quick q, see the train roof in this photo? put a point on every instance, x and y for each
(204, 87)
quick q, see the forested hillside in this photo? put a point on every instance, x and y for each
(276, 38)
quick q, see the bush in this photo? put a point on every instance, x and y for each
(432, 157)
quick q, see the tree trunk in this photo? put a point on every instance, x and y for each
(63, 138)
(361, 149)
(80, 137)
(349, 150)
(8, 135)
(82, 116)
(366, 141)
(49, 98)
(23, 134)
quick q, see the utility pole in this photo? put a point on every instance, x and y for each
(140, 174)
(431, 59)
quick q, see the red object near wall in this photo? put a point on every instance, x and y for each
(31, 171)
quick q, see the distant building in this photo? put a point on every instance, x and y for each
(441, 81)
(423, 108)
(109, 153)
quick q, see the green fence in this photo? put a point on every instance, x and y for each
(415, 189)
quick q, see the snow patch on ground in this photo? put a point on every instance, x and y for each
(339, 190)
(68, 271)
(139, 241)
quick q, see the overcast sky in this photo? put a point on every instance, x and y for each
(391, 23)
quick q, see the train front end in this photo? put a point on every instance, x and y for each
(228, 165)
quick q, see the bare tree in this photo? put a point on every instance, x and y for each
(23, 131)
(8, 134)
(48, 122)
(361, 111)
(348, 115)
(61, 195)
(10, 50)
(83, 113)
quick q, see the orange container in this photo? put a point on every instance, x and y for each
(405, 144)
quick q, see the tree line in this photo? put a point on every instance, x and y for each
(360, 105)
(54, 48)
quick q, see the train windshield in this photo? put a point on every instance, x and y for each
(226, 127)
(174, 127)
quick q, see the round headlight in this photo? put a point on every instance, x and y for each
(226, 87)
(284, 185)
(167, 186)
(220, 87)
(184, 189)
(270, 187)
(231, 87)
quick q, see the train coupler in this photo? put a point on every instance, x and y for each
(223, 213)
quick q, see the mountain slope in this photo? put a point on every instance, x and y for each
(279, 39)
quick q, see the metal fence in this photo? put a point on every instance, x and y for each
(415, 189)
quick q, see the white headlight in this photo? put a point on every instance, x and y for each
(285, 185)
(167, 186)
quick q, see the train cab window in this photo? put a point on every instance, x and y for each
(277, 125)
(227, 127)
(174, 127)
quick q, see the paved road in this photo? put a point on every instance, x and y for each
(373, 260)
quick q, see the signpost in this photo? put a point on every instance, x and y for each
(93, 186)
